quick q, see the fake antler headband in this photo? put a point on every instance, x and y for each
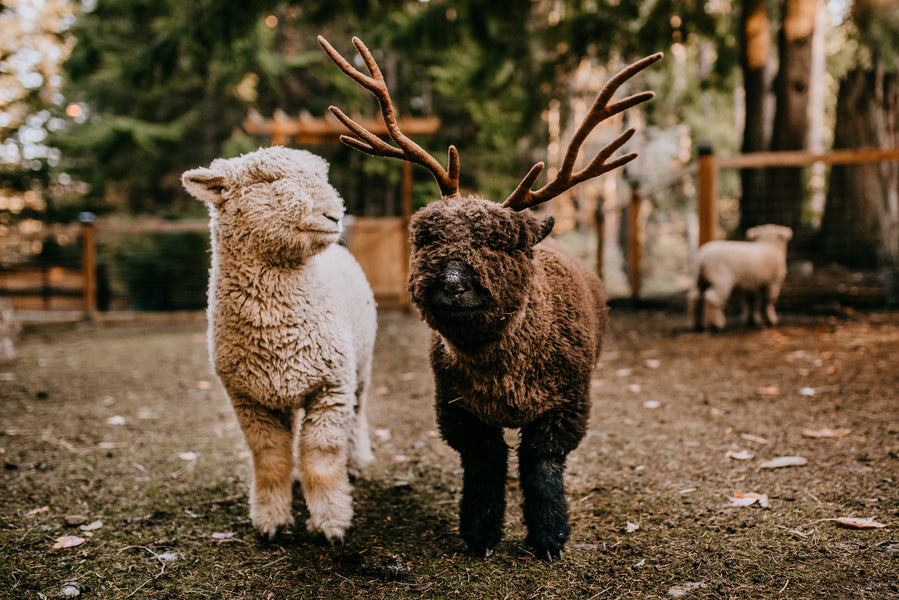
(448, 179)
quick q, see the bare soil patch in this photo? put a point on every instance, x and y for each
(125, 425)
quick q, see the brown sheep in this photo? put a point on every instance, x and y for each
(517, 322)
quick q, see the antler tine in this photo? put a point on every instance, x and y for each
(369, 143)
(523, 197)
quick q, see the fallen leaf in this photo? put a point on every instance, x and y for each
(400, 458)
(634, 388)
(92, 526)
(652, 363)
(771, 390)
(784, 461)
(70, 589)
(76, 519)
(623, 372)
(807, 391)
(858, 523)
(741, 501)
(37, 511)
(632, 527)
(825, 432)
(685, 588)
(68, 541)
(187, 456)
(116, 420)
(382, 435)
(652, 404)
(739, 455)
(748, 499)
(753, 438)
(225, 535)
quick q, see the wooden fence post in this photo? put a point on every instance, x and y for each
(89, 263)
(635, 241)
(708, 193)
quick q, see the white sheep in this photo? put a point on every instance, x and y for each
(291, 328)
(754, 268)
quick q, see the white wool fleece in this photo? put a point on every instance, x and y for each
(292, 325)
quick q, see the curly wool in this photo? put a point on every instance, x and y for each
(755, 268)
(518, 328)
(291, 328)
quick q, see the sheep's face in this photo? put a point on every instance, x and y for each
(275, 203)
(470, 267)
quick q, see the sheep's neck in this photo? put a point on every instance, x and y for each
(242, 285)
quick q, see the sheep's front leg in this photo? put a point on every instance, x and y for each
(545, 444)
(715, 301)
(269, 437)
(324, 442)
(770, 297)
(484, 457)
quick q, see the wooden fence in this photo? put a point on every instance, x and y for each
(381, 244)
(707, 169)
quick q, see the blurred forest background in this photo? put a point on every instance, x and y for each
(104, 103)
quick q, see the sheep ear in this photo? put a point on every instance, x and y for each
(544, 228)
(204, 184)
(752, 233)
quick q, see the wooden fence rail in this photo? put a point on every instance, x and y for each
(706, 170)
(710, 165)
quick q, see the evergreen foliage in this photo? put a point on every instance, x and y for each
(167, 83)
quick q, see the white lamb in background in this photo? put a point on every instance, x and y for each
(755, 268)
(291, 328)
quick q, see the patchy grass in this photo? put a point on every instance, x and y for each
(168, 481)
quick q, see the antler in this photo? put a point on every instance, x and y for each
(368, 142)
(523, 197)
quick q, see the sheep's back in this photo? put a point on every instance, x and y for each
(741, 264)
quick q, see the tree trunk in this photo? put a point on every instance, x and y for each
(755, 27)
(786, 186)
(860, 226)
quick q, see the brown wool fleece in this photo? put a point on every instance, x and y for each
(534, 346)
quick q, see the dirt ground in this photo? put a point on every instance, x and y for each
(119, 435)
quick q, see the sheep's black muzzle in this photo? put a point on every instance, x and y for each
(455, 290)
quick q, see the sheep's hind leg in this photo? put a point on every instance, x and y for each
(770, 297)
(360, 454)
(324, 442)
(545, 444)
(269, 437)
(484, 457)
